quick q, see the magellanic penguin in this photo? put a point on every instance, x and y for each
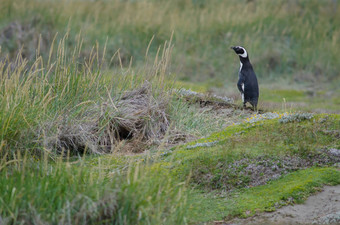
(247, 82)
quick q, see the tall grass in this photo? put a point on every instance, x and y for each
(38, 98)
(294, 40)
(68, 102)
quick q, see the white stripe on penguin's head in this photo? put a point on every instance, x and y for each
(244, 54)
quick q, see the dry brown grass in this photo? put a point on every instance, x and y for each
(130, 123)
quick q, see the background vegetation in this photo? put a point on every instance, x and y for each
(297, 41)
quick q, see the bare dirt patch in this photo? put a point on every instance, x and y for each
(322, 208)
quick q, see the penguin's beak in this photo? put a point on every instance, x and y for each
(233, 48)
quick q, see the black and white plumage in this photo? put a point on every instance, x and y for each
(247, 83)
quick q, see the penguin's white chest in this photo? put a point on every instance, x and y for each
(242, 95)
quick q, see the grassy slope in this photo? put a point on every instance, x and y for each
(268, 139)
(76, 191)
(142, 193)
(208, 167)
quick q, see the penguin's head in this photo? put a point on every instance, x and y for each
(242, 52)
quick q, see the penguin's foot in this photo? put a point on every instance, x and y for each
(254, 107)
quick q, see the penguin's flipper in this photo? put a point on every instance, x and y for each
(240, 84)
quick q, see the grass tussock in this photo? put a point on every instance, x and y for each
(137, 117)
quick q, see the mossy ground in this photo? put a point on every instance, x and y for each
(270, 140)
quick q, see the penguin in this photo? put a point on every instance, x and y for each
(247, 83)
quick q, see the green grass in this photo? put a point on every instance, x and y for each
(279, 95)
(292, 188)
(76, 193)
(298, 99)
(198, 87)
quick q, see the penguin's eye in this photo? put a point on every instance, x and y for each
(240, 51)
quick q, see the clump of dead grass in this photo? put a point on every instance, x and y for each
(137, 119)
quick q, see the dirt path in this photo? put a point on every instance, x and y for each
(322, 208)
